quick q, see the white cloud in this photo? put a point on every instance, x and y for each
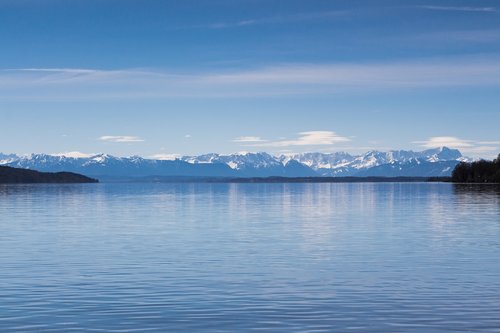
(485, 36)
(301, 17)
(74, 154)
(187, 136)
(275, 80)
(120, 138)
(445, 141)
(485, 149)
(165, 157)
(489, 142)
(310, 138)
(249, 139)
(366, 76)
(461, 8)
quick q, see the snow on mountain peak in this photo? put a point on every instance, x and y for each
(246, 164)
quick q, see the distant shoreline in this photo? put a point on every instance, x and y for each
(336, 180)
(250, 180)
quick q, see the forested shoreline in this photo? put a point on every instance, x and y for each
(477, 172)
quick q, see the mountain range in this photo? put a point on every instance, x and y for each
(397, 163)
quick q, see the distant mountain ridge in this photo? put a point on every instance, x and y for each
(344, 164)
(428, 163)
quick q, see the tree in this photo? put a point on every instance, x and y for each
(477, 172)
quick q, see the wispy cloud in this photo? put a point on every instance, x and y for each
(249, 139)
(489, 142)
(445, 38)
(407, 74)
(461, 8)
(73, 154)
(120, 138)
(277, 19)
(275, 80)
(447, 141)
(469, 147)
(165, 157)
(57, 70)
(310, 138)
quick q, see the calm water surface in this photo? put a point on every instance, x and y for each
(249, 257)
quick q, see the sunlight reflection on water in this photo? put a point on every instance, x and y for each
(241, 257)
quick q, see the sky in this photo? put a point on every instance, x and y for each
(161, 78)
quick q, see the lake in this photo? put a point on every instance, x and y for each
(384, 257)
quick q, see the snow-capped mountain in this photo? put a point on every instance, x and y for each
(343, 164)
(323, 164)
(432, 162)
(103, 165)
(255, 164)
(411, 168)
(7, 158)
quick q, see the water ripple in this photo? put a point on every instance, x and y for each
(249, 257)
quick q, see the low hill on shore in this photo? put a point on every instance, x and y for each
(9, 175)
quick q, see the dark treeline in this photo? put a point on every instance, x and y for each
(477, 172)
(276, 179)
(10, 175)
(331, 180)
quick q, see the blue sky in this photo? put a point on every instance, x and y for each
(156, 78)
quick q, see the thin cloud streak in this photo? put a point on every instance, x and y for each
(120, 138)
(291, 18)
(249, 139)
(468, 147)
(446, 141)
(409, 75)
(489, 142)
(484, 36)
(73, 154)
(165, 157)
(277, 80)
(461, 8)
(310, 138)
